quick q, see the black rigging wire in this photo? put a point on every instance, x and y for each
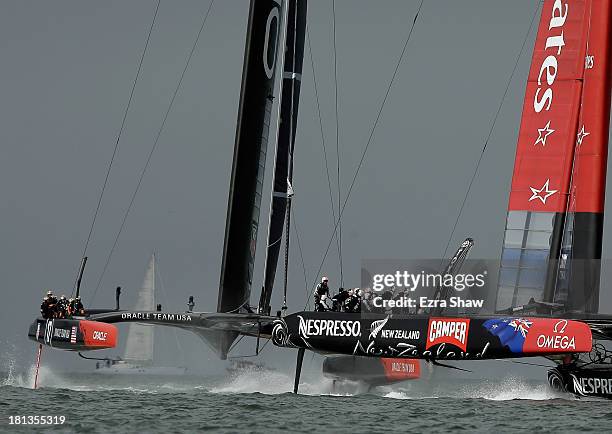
(148, 161)
(484, 148)
(110, 164)
(314, 78)
(297, 235)
(365, 149)
(337, 143)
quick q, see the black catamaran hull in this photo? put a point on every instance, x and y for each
(582, 382)
(431, 338)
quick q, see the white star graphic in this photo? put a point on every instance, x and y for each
(542, 193)
(543, 133)
(581, 135)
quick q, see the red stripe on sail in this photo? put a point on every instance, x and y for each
(545, 148)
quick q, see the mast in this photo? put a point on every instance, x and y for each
(280, 205)
(254, 116)
(552, 241)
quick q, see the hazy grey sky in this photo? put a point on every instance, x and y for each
(67, 68)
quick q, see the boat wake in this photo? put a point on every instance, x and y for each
(506, 389)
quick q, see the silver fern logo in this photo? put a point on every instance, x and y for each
(376, 327)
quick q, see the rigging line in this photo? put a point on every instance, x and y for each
(110, 164)
(249, 355)
(314, 78)
(148, 161)
(337, 142)
(525, 363)
(365, 149)
(484, 148)
(297, 234)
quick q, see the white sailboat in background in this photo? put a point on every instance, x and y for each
(138, 355)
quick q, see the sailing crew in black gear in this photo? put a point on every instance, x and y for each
(78, 307)
(48, 306)
(75, 306)
(339, 299)
(62, 307)
(353, 303)
(320, 294)
(45, 310)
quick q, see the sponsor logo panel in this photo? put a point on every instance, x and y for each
(401, 369)
(328, 327)
(61, 333)
(558, 336)
(155, 316)
(99, 335)
(448, 331)
(591, 385)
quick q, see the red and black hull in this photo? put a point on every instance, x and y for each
(73, 334)
(374, 372)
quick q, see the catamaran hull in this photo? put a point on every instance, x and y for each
(582, 382)
(130, 369)
(73, 334)
(431, 338)
(373, 372)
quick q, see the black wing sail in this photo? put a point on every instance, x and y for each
(283, 165)
(254, 116)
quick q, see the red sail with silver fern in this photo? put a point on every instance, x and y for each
(552, 241)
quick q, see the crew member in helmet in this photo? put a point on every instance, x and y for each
(48, 306)
(320, 295)
(62, 307)
(44, 307)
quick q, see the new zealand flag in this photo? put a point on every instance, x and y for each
(510, 331)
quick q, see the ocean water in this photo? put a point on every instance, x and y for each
(261, 402)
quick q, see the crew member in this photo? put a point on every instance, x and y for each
(45, 312)
(48, 306)
(321, 290)
(62, 307)
(78, 307)
(353, 303)
(339, 299)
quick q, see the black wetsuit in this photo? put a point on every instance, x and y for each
(62, 308)
(353, 304)
(51, 307)
(45, 312)
(78, 308)
(339, 299)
